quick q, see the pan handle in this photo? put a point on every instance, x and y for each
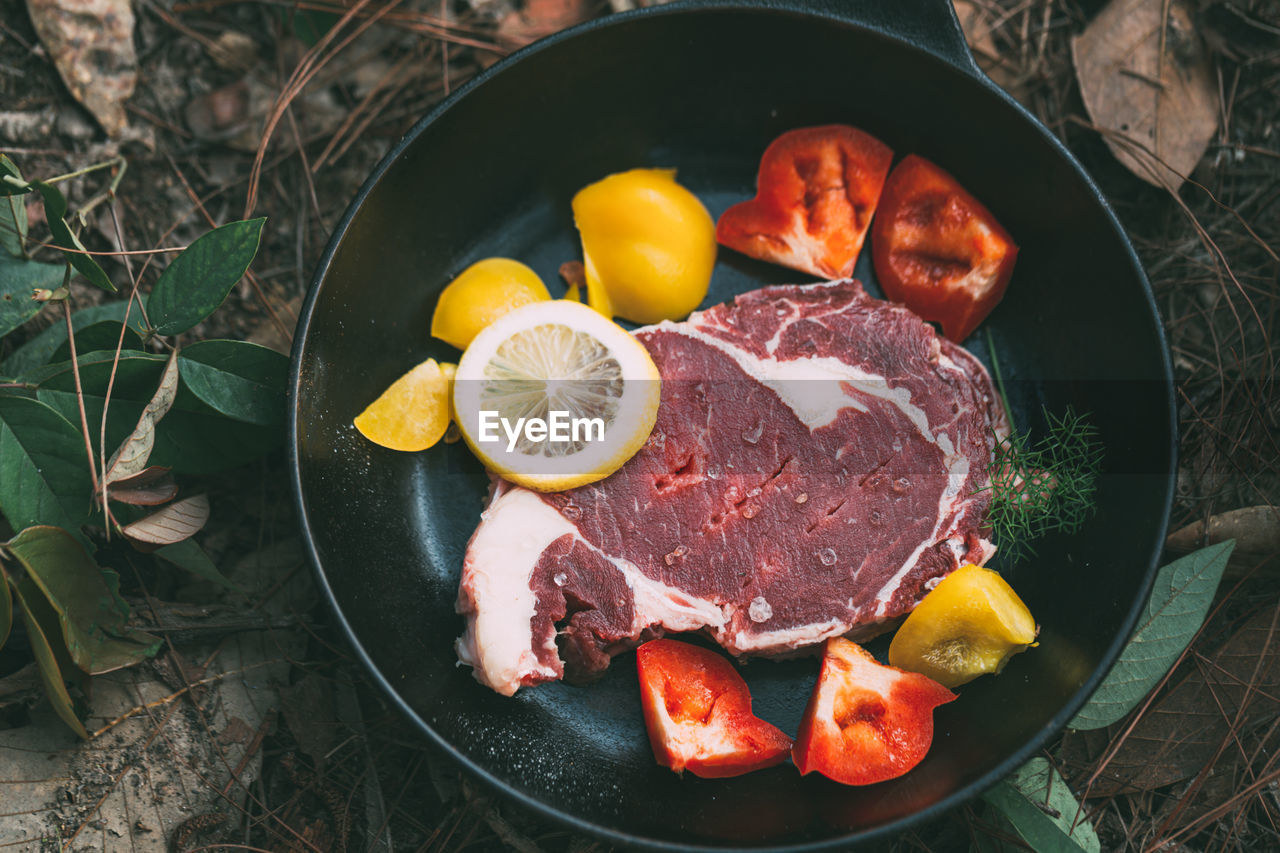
(928, 24)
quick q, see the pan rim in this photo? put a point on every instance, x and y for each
(857, 837)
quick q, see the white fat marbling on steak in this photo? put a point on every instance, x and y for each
(816, 389)
(786, 639)
(497, 598)
(495, 594)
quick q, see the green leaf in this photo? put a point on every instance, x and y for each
(39, 350)
(103, 336)
(13, 225)
(42, 638)
(44, 475)
(92, 615)
(55, 211)
(310, 26)
(188, 555)
(13, 212)
(199, 279)
(241, 380)
(6, 608)
(193, 438)
(8, 167)
(136, 374)
(18, 278)
(197, 444)
(1042, 809)
(188, 442)
(996, 834)
(1179, 600)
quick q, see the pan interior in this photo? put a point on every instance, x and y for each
(705, 92)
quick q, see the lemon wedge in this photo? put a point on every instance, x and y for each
(413, 413)
(553, 395)
(482, 293)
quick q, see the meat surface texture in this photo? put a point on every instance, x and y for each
(816, 467)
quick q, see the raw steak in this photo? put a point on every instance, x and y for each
(815, 468)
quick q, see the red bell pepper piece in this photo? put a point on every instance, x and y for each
(866, 722)
(937, 250)
(697, 709)
(815, 194)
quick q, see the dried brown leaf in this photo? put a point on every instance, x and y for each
(978, 24)
(172, 524)
(234, 51)
(234, 114)
(132, 455)
(628, 5)
(309, 712)
(574, 274)
(151, 487)
(1256, 530)
(223, 112)
(541, 18)
(91, 42)
(1149, 79)
(24, 681)
(157, 758)
(1191, 723)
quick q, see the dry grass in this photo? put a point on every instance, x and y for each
(350, 774)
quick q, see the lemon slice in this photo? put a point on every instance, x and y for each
(413, 413)
(553, 395)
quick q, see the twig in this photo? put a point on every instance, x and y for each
(108, 519)
(311, 62)
(1145, 78)
(172, 697)
(114, 161)
(268, 720)
(306, 168)
(13, 201)
(75, 372)
(360, 108)
(1251, 149)
(107, 194)
(439, 28)
(1126, 141)
(249, 276)
(1164, 33)
(110, 253)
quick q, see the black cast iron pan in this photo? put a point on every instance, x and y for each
(704, 86)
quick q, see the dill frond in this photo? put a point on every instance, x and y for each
(1042, 487)
(1046, 486)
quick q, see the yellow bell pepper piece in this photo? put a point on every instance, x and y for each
(648, 245)
(482, 293)
(970, 624)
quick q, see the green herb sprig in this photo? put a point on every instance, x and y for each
(1044, 486)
